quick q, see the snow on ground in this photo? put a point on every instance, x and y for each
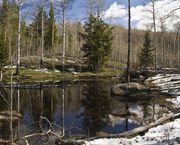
(45, 70)
(168, 133)
(169, 83)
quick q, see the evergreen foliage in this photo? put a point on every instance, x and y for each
(146, 56)
(3, 37)
(37, 29)
(3, 52)
(98, 42)
(51, 32)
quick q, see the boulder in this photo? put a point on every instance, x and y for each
(125, 88)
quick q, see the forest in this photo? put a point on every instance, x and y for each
(66, 80)
(46, 37)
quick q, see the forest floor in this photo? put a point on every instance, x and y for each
(51, 70)
(167, 133)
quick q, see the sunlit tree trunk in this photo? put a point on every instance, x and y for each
(64, 35)
(154, 34)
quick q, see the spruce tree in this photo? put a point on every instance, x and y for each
(51, 32)
(98, 42)
(3, 35)
(3, 52)
(146, 57)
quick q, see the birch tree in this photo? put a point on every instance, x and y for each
(20, 3)
(64, 6)
(19, 38)
(41, 6)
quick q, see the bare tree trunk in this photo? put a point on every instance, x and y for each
(52, 42)
(9, 43)
(19, 39)
(129, 42)
(154, 35)
(64, 35)
(42, 37)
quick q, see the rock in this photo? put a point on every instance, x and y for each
(122, 89)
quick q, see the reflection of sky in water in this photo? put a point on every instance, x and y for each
(79, 116)
(57, 117)
(120, 127)
(28, 118)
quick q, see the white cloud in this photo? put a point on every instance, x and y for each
(141, 17)
(115, 11)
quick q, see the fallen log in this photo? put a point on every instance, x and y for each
(6, 115)
(6, 142)
(139, 130)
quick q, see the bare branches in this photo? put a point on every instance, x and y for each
(169, 14)
(44, 133)
(95, 7)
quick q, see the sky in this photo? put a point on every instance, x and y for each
(141, 16)
(79, 13)
(115, 12)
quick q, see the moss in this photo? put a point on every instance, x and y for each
(30, 75)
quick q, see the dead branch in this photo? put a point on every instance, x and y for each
(51, 127)
(6, 142)
(38, 134)
(44, 118)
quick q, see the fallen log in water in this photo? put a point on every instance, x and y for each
(5, 115)
(126, 134)
(6, 142)
(139, 130)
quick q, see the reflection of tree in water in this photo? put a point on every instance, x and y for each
(147, 111)
(154, 107)
(96, 107)
(50, 100)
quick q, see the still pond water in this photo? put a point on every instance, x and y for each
(80, 107)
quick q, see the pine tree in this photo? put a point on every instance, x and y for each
(3, 33)
(146, 57)
(98, 42)
(3, 52)
(51, 33)
(37, 27)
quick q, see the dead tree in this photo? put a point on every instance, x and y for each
(129, 41)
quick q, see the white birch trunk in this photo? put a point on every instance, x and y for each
(64, 34)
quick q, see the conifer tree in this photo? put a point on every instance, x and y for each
(3, 52)
(146, 57)
(51, 34)
(3, 33)
(98, 42)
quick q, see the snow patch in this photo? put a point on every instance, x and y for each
(168, 133)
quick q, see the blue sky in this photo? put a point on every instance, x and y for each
(116, 12)
(78, 12)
